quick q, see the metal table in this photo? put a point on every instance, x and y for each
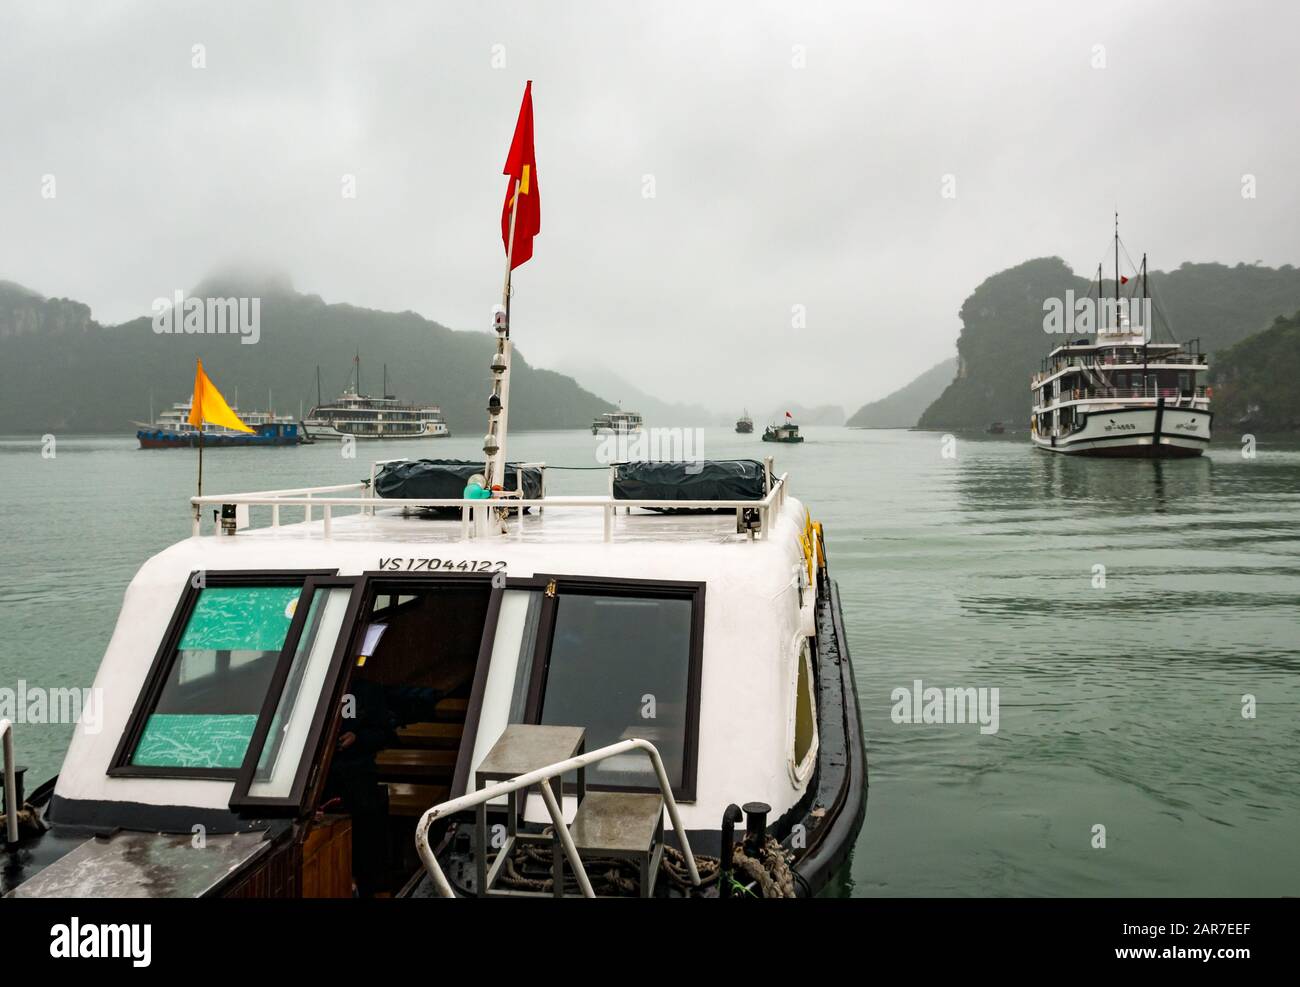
(522, 748)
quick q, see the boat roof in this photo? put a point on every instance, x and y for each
(756, 612)
(1118, 342)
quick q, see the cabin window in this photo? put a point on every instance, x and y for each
(291, 724)
(506, 690)
(208, 706)
(623, 661)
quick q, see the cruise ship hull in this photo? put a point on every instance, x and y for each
(1157, 432)
(263, 435)
(325, 430)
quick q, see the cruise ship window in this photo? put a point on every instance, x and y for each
(213, 692)
(625, 663)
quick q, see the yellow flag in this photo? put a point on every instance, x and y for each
(210, 406)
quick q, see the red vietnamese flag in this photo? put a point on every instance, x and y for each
(521, 166)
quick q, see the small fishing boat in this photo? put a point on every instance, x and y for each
(744, 424)
(786, 431)
(996, 428)
(1121, 393)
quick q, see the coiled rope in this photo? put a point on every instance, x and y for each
(616, 877)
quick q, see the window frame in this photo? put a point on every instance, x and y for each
(461, 781)
(377, 579)
(165, 658)
(318, 753)
(642, 589)
(240, 799)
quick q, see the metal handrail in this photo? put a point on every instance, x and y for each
(539, 777)
(1126, 394)
(1181, 358)
(306, 498)
(11, 783)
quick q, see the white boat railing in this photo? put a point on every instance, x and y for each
(474, 513)
(539, 778)
(11, 782)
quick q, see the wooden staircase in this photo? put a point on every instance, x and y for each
(418, 771)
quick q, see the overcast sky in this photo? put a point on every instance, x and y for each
(798, 155)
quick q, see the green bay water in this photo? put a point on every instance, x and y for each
(1119, 707)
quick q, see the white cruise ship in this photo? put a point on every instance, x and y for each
(617, 423)
(364, 417)
(1120, 393)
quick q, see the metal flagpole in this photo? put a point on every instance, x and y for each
(196, 404)
(494, 444)
(198, 508)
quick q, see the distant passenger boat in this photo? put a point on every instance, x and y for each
(172, 430)
(788, 431)
(1122, 394)
(745, 424)
(997, 428)
(617, 423)
(363, 417)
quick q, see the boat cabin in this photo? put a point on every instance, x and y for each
(786, 431)
(299, 692)
(617, 422)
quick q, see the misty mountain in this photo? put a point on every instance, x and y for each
(23, 311)
(903, 407)
(1002, 340)
(67, 372)
(1255, 380)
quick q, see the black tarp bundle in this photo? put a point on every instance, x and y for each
(712, 479)
(445, 479)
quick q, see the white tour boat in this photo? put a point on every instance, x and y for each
(617, 423)
(684, 662)
(361, 416)
(505, 691)
(1121, 393)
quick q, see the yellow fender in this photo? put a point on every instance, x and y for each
(810, 541)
